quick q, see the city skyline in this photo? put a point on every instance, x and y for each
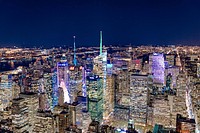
(54, 23)
(142, 89)
(99, 66)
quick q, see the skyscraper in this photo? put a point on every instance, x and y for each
(95, 97)
(109, 98)
(55, 88)
(5, 90)
(63, 78)
(157, 67)
(75, 61)
(139, 93)
(32, 102)
(76, 82)
(44, 123)
(100, 68)
(20, 115)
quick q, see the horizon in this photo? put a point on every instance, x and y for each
(110, 45)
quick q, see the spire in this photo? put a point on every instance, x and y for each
(100, 42)
(75, 61)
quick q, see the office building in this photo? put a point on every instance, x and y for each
(95, 97)
(174, 72)
(63, 78)
(76, 82)
(157, 67)
(170, 58)
(20, 116)
(32, 101)
(5, 91)
(44, 123)
(139, 93)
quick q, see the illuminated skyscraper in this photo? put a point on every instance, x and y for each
(48, 88)
(32, 102)
(65, 95)
(110, 84)
(63, 78)
(22, 80)
(171, 59)
(95, 97)
(157, 67)
(5, 90)
(75, 114)
(76, 82)
(101, 45)
(178, 61)
(45, 122)
(139, 91)
(55, 88)
(122, 88)
(15, 90)
(178, 105)
(62, 121)
(75, 61)
(88, 65)
(20, 115)
(100, 68)
(61, 96)
(76, 79)
(174, 71)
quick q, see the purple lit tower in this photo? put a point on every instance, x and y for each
(157, 67)
(63, 78)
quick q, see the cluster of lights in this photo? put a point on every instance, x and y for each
(60, 64)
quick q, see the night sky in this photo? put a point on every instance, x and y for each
(54, 22)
